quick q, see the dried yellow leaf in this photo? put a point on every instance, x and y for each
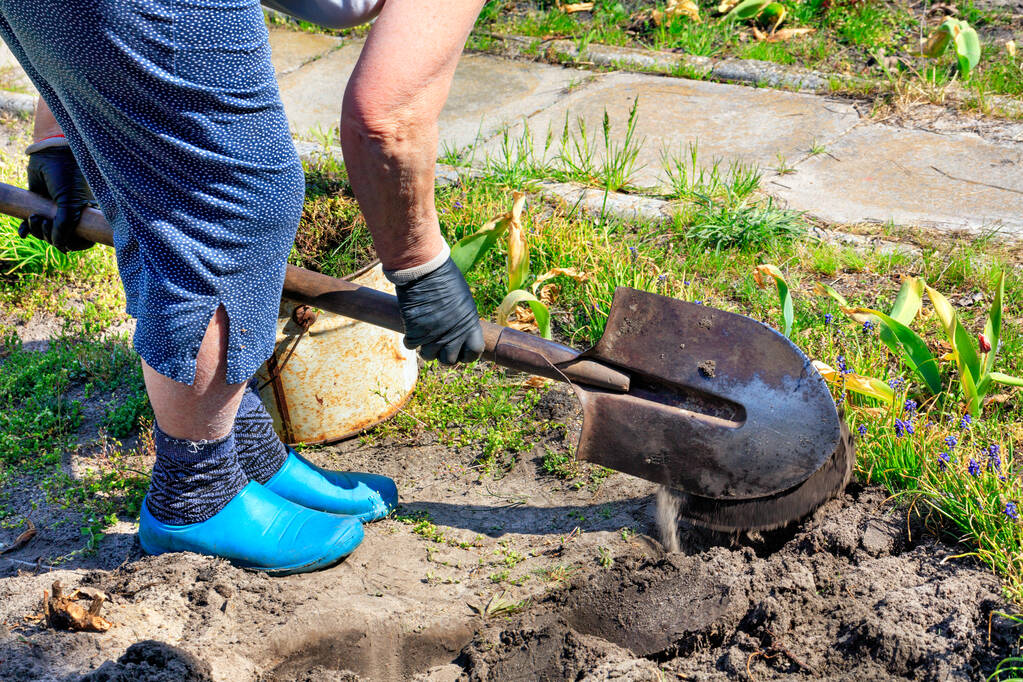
(683, 8)
(573, 7)
(577, 275)
(787, 34)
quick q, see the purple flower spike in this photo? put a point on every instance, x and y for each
(900, 428)
(943, 459)
(994, 461)
(965, 422)
(827, 319)
(896, 383)
(869, 327)
(973, 467)
(1011, 511)
(951, 442)
(862, 429)
(910, 407)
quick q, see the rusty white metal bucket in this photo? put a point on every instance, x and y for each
(331, 377)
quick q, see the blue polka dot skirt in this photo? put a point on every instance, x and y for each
(171, 108)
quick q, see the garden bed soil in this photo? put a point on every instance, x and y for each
(855, 592)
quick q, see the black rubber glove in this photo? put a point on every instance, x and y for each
(54, 174)
(440, 316)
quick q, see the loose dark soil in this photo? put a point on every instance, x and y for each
(847, 596)
(856, 592)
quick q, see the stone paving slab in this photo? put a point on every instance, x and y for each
(880, 173)
(872, 172)
(487, 94)
(729, 122)
(291, 50)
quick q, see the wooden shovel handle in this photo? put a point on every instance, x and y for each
(507, 347)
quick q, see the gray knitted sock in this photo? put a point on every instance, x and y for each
(192, 480)
(261, 453)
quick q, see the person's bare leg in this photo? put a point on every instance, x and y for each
(389, 131)
(206, 409)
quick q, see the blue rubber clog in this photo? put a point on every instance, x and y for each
(259, 529)
(367, 497)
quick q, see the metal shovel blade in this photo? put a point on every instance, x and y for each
(720, 406)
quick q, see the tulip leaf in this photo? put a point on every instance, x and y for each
(540, 312)
(908, 301)
(747, 9)
(973, 397)
(784, 295)
(967, 48)
(907, 344)
(962, 346)
(1000, 378)
(868, 386)
(518, 257)
(825, 290)
(938, 42)
(468, 251)
(993, 327)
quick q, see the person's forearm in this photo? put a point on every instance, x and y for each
(45, 125)
(389, 130)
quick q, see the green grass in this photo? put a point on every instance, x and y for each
(847, 36)
(724, 228)
(479, 410)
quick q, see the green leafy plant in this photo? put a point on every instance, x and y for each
(895, 333)
(871, 387)
(962, 36)
(769, 14)
(468, 251)
(760, 275)
(975, 365)
(30, 256)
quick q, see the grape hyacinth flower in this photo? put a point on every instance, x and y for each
(1011, 511)
(973, 467)
(896, 383)
(910, 407)
(965, 422)
(951, 441)
(868, 327)
(862, 429)
(994, 461)
(900, 428)
(827, 319)
(633, 253)
(842, 366)
(943, 459)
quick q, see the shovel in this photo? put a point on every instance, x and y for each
(717, 406)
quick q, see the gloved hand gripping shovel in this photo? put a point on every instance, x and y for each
(723, 409)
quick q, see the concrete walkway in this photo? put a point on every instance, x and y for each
(862, 171)
(839, 166)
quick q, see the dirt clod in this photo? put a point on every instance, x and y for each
(708, 368)
(152, 661)
(845, 597)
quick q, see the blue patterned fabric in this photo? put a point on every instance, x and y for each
(172, 110)
(192, 480)
(261, 453)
